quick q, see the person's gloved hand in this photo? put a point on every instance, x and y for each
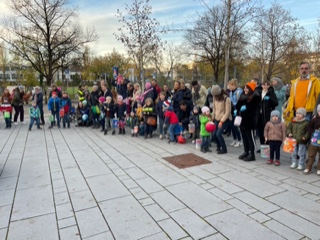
(266, 98)
(235, 113)
(243, 108)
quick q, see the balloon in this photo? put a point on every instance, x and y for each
(210, 127)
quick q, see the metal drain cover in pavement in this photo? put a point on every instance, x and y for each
(186, 160)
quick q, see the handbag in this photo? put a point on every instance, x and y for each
(152, 121)
(315, 138)
(6, 114)
(237, 121)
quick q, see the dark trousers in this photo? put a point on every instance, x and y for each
(312, 153)
(32, 120)
(248, 140)
(41, 115)
(66, 120)
(18, 110)
(148, 129)
(57, 117)
(235, 130)
(8, 122)
(275, 148)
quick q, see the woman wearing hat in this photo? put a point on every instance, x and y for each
(246, 108)
(221, 115)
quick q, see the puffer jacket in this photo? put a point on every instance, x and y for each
(275, 131)
(299, 130)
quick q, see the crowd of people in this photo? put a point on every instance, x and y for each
(257, 110)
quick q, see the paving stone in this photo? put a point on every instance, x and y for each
(217, 236)
(225, 185)
(252, 184)
(149, 185)
(32, 202)
(205, 175)
(136, 173)
(206, 186)
(61, 197)
(146, 201)
(259, 217)
(172, 229)
(283, 230)
(67, 222)
(5, 212)
(106, 187)
(269, 180)
(303, 185)
(56, 175)
(156, 212)
(301, 206)
(91, 222)
(101, 236)
(76, 184)
(256, 202)
(198, 199)
(193, 224)
(127, 213)
(302, 226)
(197, 180)
(3, 233)
(157, 236)
(82, 200)
(64, 211)
(292, 189)
(271, 173)
(312, 197)
(167, 201)
(125, 164)
(8, 183)
(93, 168)
(231, 223)
(216, 168)
(10, 171)
(73, 172)
(58, 183)
(220, 194)
(33, 228)
(6, 197)
(138, 193)
(70, 233)
(164, 175)
(243, 207)
(129, 183)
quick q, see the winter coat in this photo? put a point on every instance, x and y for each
(314, 124)
(94, 98)
(170, 116)
(280, 91)
(312, 95)
(34, 112)
(222, 110)
(120, 110)
(203, 121)
(275, 131)
(17, 99)
(54, 104)
(299, 129)
(184, 116)
(6, 96)
(65, 103)
(234, 97)
(176, 98)
(159, 109)
(249, 116)
(39, 98)
(109, 109)
(267, 106)
(199, 98)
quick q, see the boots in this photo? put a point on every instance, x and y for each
(250, 157)
(113, 132)
(120, 132)
(105, 132)
(203, 150)
(208, 149)
(243, 155)
(123, 131)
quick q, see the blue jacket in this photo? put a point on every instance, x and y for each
(66, 104)
(54, 104)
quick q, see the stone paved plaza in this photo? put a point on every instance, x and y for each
(79, 184)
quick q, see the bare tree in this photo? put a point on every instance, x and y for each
(139, 33)
(44, 33)
(276, 34)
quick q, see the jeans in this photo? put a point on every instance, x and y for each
(66, 119)
(205, 141)
(218, 134)
(109, 123)
(32, 120)
(57, 117)
(299, 150)
(171, 132)
(161, 122)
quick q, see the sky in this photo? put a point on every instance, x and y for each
(178, 14)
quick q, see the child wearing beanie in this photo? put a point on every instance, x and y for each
(314, 147)
(274, 134)
(298, 129)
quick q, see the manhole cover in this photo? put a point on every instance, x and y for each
(186, 160)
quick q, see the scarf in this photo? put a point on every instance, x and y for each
(196, 92)
(145, 93)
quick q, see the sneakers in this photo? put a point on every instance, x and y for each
(306, 171)
(237, 144)
(161, 137)
(318, 172)
(15, 123)
(233, 142)
(300, 167)
(293, 165)
(270, 161)
(193, 141)
(277, 162)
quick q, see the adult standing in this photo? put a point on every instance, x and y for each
(187, 95)
(55, 89)
(247, 108)
(280, 91)
(221, 115)
(17, 103)
(156, 88)
(38, 97)
(304, 92)
(199, 94)
(94, 103)
(166, 90)
(135, 96)
(268, 103)
(177, 96)
(148, 93)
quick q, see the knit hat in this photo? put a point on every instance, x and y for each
(54, 94)
(215, 90)
(205, 109)
(148, 85)
(318, 108)
(275, 113)
(302, 111)
(251, 85)
(196, 108)
(166, 105)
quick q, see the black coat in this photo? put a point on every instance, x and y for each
(266, 106)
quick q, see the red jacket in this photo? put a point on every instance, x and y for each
(170, 117)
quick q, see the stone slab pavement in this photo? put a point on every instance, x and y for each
(79, 184)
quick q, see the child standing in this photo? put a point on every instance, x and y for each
(160, 114)
(7, 110)
(204, 118)
(298, 129)
(120, 112)
(34, 112)
(134, 124)
(313, 150)
(148, 111)
(54, 108)
(194, 118)
(275, 134)
(65, 104)
(109, 115)
(171, 119)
